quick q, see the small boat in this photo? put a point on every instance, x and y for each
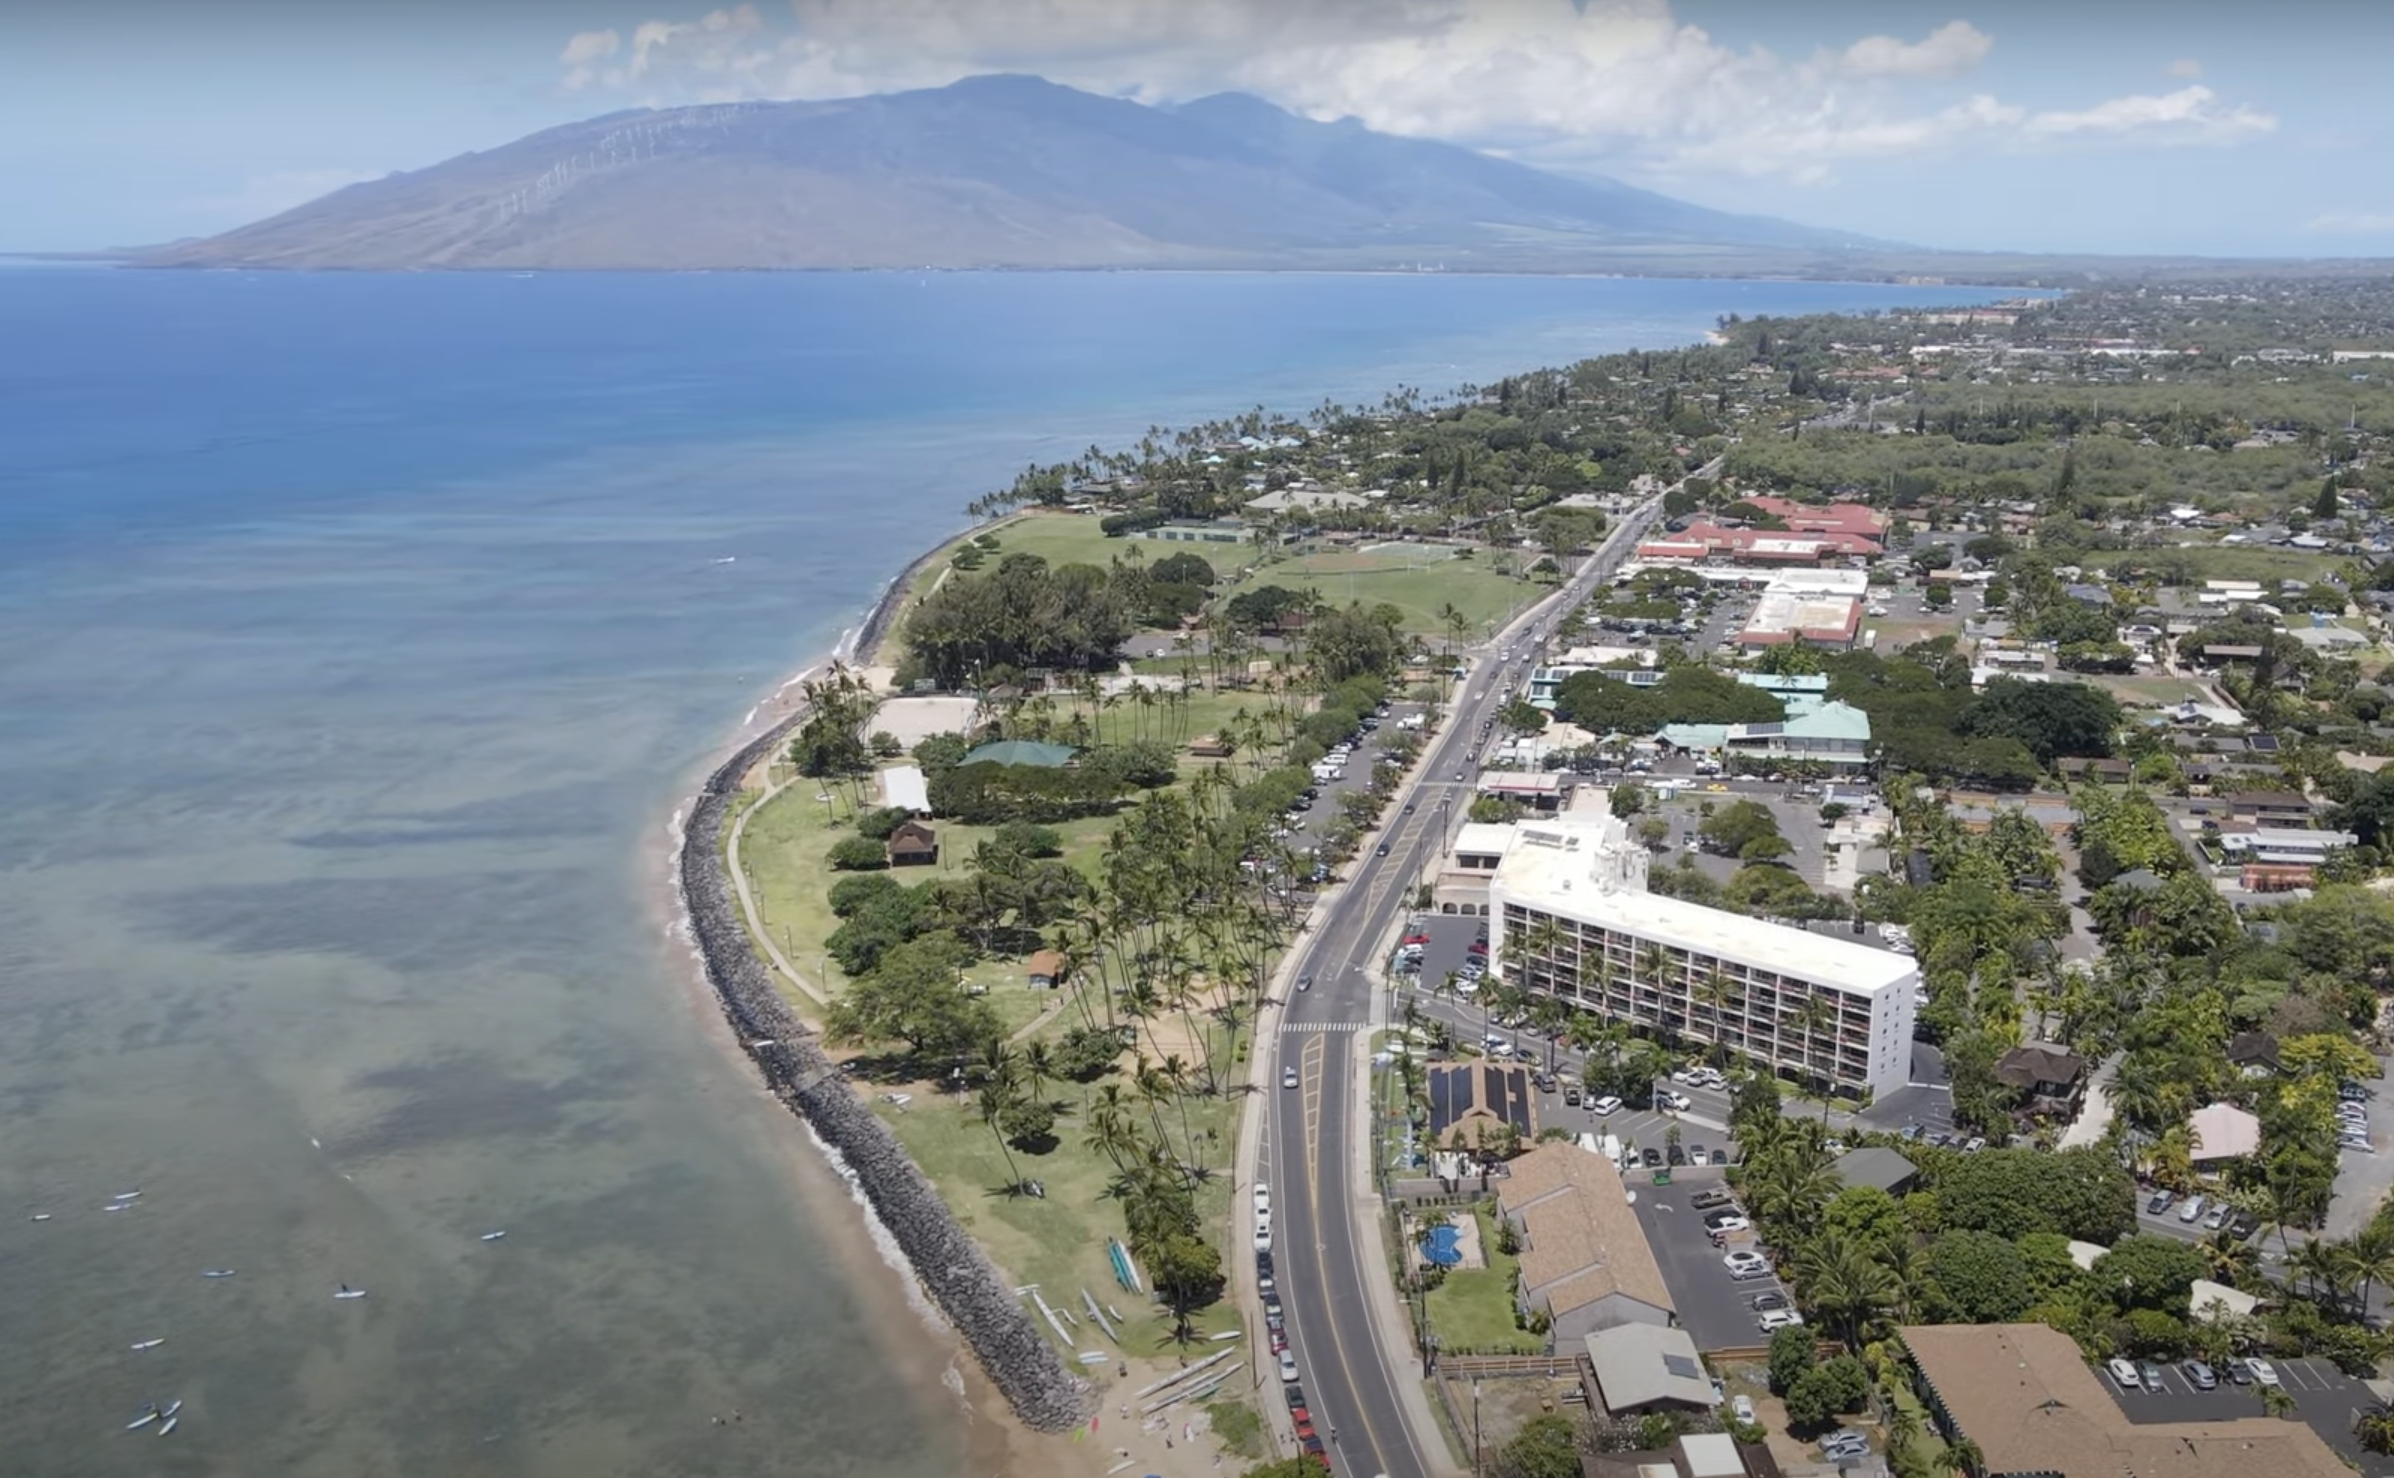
(168, 1425)
(149, 1344)
(216, 1272)
(127, 1196)
(493, 1236)
(116, 1206)
(171, 1408)
(349, 1292)
(149, 1415)
(41, 1216)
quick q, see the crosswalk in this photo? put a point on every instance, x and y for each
(1289, 1028)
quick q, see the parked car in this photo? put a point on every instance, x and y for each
(1705, 1200)
(2238, 1372)
(2191, 1211)
(1677, 1102)
(2160, 1202)
(2263, 1372)
(2124, 1372)
(1651, 1157)
(1288, 1368)
(2150, 1374)
(2198, 1375)
(1698, 1155)
(1744, 1264)
(1778, 1319)
(1741, 1406)
(1571, 1094)
(1731, 1220)
(1763, 1303)
(1720, 1156)
(2218, 1217)
(1605, 1105)
(1676, 1154)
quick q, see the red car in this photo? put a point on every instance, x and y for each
(1417, 939)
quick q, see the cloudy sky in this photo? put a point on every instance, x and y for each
(2199, 126)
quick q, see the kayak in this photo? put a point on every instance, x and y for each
(149, 1344)
(347, 1292)
(168, 1425)
(492, 1236)
(41, 1216)
(171, 1408)
(216, 1272)
(142, 1420)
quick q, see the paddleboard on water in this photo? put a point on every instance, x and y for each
(351, 1293)
(216, 1272)
(168, 1425)
(172, 1407)
(142, 1420)
(493, 1236)
(150, 1344)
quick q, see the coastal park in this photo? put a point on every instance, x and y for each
(1424, 580)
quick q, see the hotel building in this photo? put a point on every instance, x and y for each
(1569, 916)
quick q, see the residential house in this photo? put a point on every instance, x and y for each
(1631, 1369)
(2254, 1054)
(2024, 1395)
(1584, 1257)
(1045, 969)
(912, 845)
(1872, 1166)
(2046, 1073)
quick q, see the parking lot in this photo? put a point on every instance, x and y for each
(2326, 1398)
(1717, 1310)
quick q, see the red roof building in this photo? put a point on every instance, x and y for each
(1815, 518)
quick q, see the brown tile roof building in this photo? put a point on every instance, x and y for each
(2024, 1394)
(1581, 1242)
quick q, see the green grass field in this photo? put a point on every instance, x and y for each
(2151, 691)
(1472, 1310)
(1419, 580)
(2240, 562)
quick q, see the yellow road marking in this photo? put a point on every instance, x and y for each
(1313, 1055)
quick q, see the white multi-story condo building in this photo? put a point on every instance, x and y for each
(1569, 915)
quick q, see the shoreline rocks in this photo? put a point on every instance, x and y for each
(951, 1267)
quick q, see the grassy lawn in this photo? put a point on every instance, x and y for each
(2157, 691)
(1472, 1311)
(2241, 562)
(1059, 1241)
(1418, 580)
(1236, 1423)
(1074, 538)
(782, 850)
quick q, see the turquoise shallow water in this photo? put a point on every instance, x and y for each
(357, 638)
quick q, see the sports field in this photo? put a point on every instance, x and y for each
(1420, 580)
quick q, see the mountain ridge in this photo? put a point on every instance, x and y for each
(997, 171)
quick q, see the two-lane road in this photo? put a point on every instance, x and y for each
(1325, 1210)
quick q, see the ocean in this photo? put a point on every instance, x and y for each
(359, 636)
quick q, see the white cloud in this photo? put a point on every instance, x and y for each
(2189, 114)
(1951, 50)
(2360, 223)
(1618, 84)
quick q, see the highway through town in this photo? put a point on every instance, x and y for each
(1349, 1342)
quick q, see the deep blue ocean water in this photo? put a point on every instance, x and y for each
(358, 636)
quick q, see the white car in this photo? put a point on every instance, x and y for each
(2264, 1373)
(1741, 1406)
(1678, 1102)
(1288, 1077)
(1263, 1199)
(1263, 1233)
(2125, 1374)
(1744, 1264)
(1288, 1368)
(1778, 1319)
(1605, 1105)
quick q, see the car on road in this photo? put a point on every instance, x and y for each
(2161, 1201)
(1744, 1263)
(1288, 1077)
(1305, 981)
(1288, 1368)
(2199, 1375)
(1381, 850)
(1604, 1106)
(1263, 1199)
(2150, 1374)
(2124, 1372)
(1763, 1303)
(1263, 1234)
(1778, 1319)
(1408, 808)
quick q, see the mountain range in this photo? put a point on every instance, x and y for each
(996, 171)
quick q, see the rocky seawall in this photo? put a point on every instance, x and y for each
(950, 1266)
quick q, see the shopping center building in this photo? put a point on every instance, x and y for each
(1569, 915)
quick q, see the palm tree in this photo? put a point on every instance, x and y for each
(999, 1095)
(2368, 1257)
(1816, 1018)
(1961, 1456)
(1714, 991)
(2320, 1267)
(1653, 962)
(1844, 1284)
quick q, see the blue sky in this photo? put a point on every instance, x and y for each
(2176, 126)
